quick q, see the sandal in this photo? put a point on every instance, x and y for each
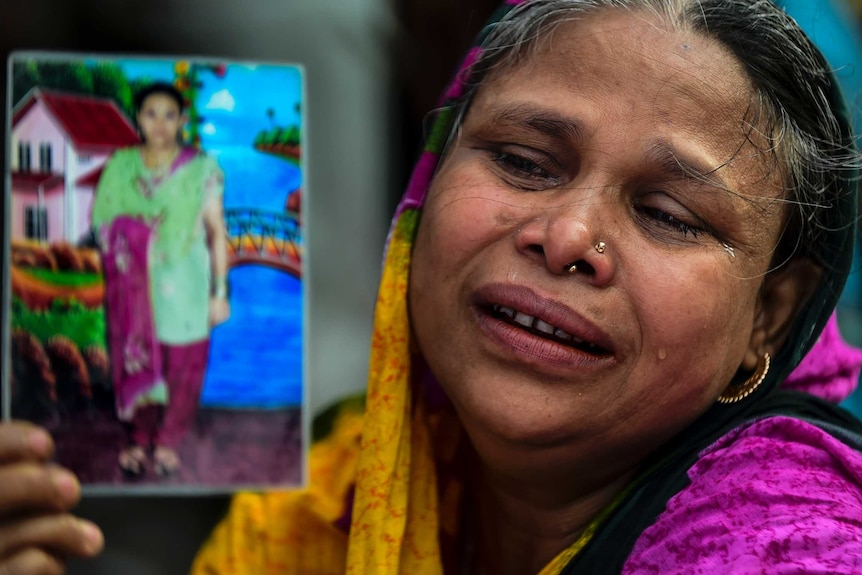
(133, 461)
(166, 462)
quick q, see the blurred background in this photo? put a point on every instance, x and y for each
(373, 69)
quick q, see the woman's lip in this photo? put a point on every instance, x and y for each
(540, 353)
(525, 300)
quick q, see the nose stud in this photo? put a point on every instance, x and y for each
(573, 267)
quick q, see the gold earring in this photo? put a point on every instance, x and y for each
(739, 392)
(600, 247)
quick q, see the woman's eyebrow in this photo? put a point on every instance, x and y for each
(540, 120)
(681, 165)
(676, 163)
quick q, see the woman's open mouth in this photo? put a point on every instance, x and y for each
(543, 329)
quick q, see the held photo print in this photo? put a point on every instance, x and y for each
(153, 297)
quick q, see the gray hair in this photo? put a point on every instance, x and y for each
(797, 105)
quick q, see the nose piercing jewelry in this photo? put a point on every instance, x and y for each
(573, 268)
(600, 247)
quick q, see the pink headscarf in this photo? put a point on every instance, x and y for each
(830, 370)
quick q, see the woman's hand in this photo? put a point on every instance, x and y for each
(37, 533)
(219, 311)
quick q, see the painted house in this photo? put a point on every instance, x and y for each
(59, 145)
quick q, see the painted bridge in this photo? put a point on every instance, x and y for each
(265, 238)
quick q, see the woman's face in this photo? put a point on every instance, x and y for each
(160, 120)
(620, 131)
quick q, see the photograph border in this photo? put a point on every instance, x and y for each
(168, 489)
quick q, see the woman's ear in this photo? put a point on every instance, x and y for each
(782, 295)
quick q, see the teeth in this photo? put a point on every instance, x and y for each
(524, 319)
(537, 324)
(544, 327)
(506, 311)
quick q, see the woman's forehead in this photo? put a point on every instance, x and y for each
(628, 75)
(620, 47)
(158, 99)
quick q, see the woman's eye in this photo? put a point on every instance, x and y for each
(672, 222)
(523, 168)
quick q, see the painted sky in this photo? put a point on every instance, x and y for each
(234, 107)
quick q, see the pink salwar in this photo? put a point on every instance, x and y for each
(184, 368)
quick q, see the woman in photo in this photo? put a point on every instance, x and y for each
(159, 214)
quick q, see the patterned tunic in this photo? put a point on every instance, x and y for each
(179, 261)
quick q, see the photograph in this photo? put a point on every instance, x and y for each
(155, 313)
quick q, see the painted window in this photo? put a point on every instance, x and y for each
(45, 160)
(24, 163)
(36, 225)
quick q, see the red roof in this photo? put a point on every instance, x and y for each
(90, 179)
(92, 123)
(35, 179)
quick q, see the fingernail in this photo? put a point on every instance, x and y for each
(93, 538)
(39, 442)
(66, 484)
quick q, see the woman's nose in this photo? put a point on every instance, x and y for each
(571, 240)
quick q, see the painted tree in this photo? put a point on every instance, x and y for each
(25, 77)
(293, 136)
(71, 77)
(187, 79)
(272, 136)
(66, 76)
(110, 81)
(284, 137)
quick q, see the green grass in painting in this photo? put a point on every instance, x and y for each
(84, 326)
(64, 278)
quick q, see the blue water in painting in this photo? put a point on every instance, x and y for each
(256, 180)
(256, 356)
